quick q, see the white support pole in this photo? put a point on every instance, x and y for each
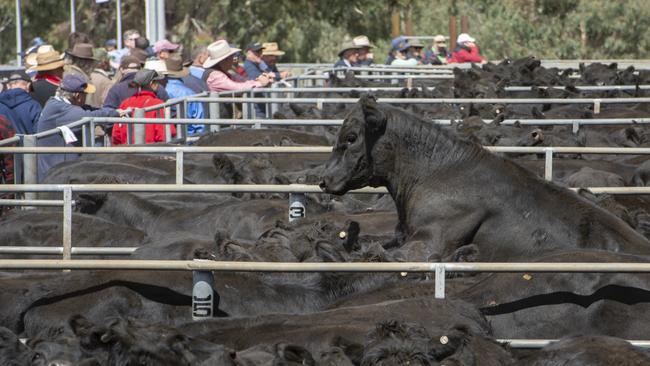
(119, 23)
(19, 34)
(440, 281)
(160, 19)
(67, 223)
(179, 167)
(548, 164)
(73, 15)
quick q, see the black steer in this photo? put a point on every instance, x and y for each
(450, 192)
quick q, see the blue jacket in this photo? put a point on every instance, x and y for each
(176, 89)
(341, 63)
(253, 70)
(59, 112)
(20, 109)
(122, 91)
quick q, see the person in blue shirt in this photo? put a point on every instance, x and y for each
(195, 80)
(18, 106)
(254, 66)
(270, 55)
(176, 89)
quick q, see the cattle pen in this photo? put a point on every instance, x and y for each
(27, 151)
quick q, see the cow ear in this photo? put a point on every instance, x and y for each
(581, 67)
(374, 117)
(613, 66)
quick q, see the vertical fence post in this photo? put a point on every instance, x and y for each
(179, 166)
(297, 209)
(203, 295)
(548, 164)
(180, 128)
(30, 166)
(67, 223)
(440, 281)
(92, 132)
(85, 135)
(168, 127)
(139, 128)
(213, 112)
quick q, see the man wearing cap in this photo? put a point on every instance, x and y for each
(401, 56)
(365, 57)
(146, 82)
(254, 66)
(177, 89)
(394, 43)
(164, 48)
(49, 68)
(415, 50)
(122, 90)
(438, 54)
(62, 109)
(270, 54)
(18, 106)
(466, 50)
(348, 55)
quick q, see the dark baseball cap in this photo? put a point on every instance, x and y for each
(146, 76)
(76, 84)
(255, 47)
(19, 75)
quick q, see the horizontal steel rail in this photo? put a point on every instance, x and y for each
(300, 149)
(243, 188)
(460, 267)
(29, 250)
(540, 343)
(44, 203)
(397, 88)
(446, 76)
(429, 100)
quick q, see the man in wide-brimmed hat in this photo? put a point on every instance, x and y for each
(348, 55)
(270, 55)
(176, 88)
(60, 110)
(415, 50)
(80, 60)
(220, 61)
(49, 71)
(365, 57)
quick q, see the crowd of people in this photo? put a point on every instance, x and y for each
(87, 81)
(411, 52)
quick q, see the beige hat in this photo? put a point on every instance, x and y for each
(51, 60)
(348, 46)
(156, 65)
(271, 49)
(30, 59)
(362, 41)
(175, 67)
(218, 51)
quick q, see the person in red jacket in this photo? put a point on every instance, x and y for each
(466, 51)
(147, 83)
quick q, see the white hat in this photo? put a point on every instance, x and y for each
(156, 65)
(464, 37)
(218, 51)
(362, 41)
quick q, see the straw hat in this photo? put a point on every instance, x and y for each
(82, 50)
(271, 49)
(175, 67)
(415, 43)
(348, 46)
(51, 60)
(218, 51)
(362, 41)
(156, 65)
(30, 59)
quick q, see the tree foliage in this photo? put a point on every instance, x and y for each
(312, 31)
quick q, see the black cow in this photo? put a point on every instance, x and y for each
(450, 192)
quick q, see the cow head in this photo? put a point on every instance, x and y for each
(351, 163)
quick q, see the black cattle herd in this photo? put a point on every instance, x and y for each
(449, 200)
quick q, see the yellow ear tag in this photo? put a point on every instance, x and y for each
(527, 277)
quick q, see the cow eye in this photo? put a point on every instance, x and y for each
(351, 139)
